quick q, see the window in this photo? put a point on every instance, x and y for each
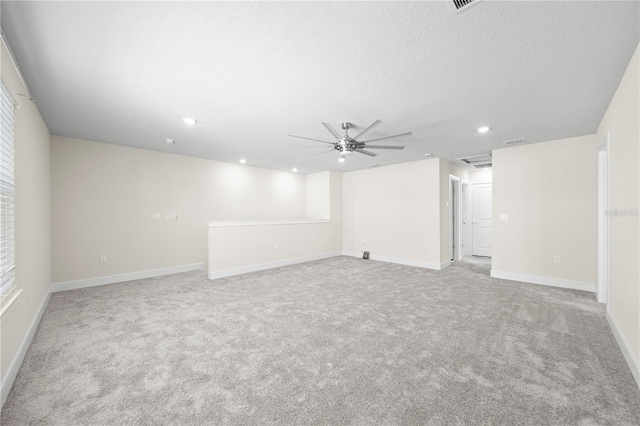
(7, 191)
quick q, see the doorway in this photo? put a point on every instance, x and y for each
(455, 219)
(481, 219)
(465, 219)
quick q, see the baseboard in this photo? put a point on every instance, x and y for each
(398, 260)
(16, 362)
(625, 348)
(548, 281)
(112, 279)
(445, 264)
(270, 265)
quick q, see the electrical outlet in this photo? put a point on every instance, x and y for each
(168, 216)
(103, 258)
(504, 216)
(156, 216)
(556, 259)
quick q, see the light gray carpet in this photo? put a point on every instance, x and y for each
(336, 341)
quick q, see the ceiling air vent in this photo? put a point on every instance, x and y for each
(478, 161)
(514, 141)
(459, 5)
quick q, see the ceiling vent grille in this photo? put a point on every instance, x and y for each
(460, 5)
(478, 161)
(514, 141)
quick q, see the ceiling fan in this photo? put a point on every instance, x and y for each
(346, 144)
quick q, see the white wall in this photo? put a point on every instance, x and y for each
(33, 220)
(622, 123)
(239, 247)
(319, 195)
(481, 176)
(104, 198)
(395, 211)
(549, 191)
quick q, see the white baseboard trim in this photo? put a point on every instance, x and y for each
(16, 362)
(625, 348)
(548, 281)
(398, 260)
(270, 265)
(445, 264)
(112, 279)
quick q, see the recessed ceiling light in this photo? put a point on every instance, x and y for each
(169, 140)
(341, 159)
(242, 160)
(427, 155)
(294, 170)
(483, 129)
(189, 121)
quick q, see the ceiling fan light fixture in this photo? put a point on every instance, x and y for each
(341, 159)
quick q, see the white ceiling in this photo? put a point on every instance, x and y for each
(252, 73)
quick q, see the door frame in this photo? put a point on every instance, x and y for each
(602, 292)
(465, 205)
(455, 219)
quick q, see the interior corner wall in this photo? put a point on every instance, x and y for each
(621, 121)
(549, 191)
(393, 212)
(446, 170)
(33, 220)
(104, 197)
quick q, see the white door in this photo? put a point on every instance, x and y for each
(481, 211)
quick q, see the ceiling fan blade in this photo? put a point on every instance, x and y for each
(323, 152)
(310, 139)
(371, 126)
(365, 152)
(388, 137)
(384, 146)
(308, 146)
(332, 130)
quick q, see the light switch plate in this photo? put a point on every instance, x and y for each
(504, 216)
(156, 216)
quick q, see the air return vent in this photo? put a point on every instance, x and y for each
(459, 5)
(514, 141)
(478, 161)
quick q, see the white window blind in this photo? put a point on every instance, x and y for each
(7, 191)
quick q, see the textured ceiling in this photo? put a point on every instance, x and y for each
(253, 72)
